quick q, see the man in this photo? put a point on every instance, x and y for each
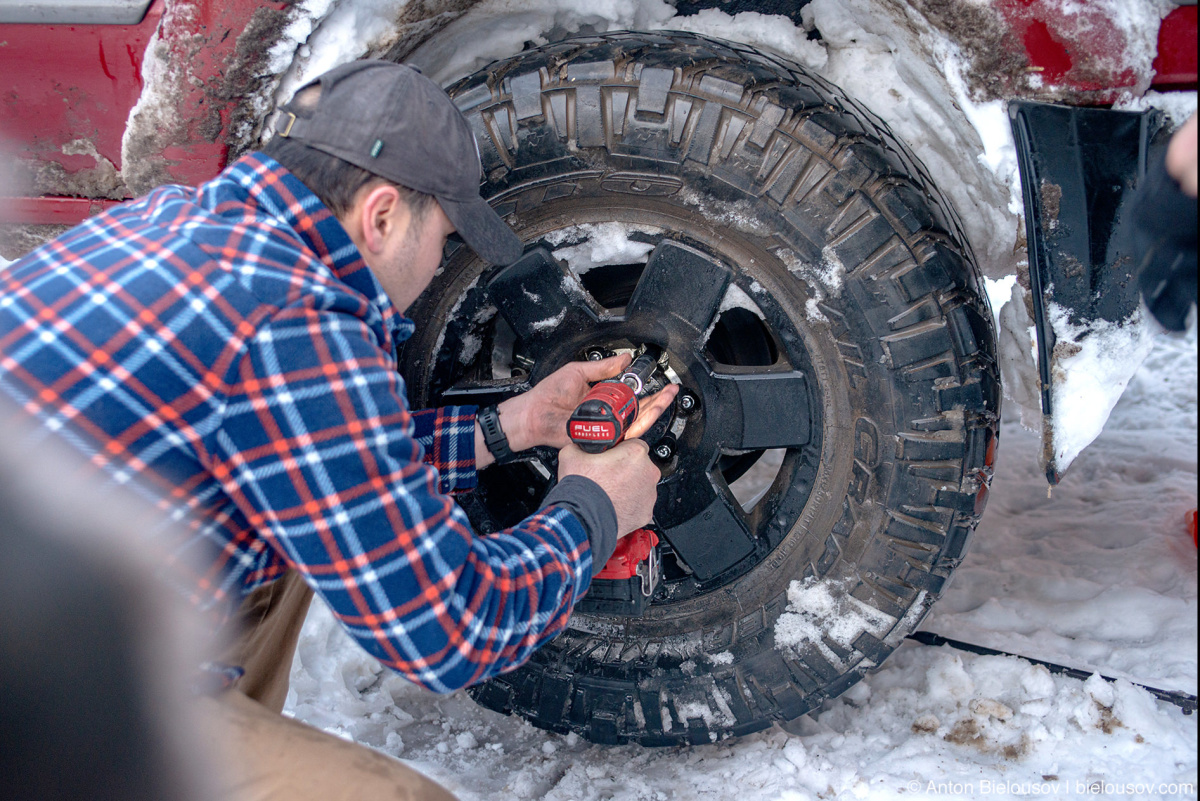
(233, 346)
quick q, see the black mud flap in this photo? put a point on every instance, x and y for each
(1079, 170)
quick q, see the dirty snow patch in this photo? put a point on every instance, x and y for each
(738, 214)
(768, 31)
(1091, 367)
(324, 34)
(831, 271)
(825, 279)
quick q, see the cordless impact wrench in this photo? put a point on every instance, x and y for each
(606, 413)
(596, 425)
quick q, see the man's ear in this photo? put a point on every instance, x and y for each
(382, 215)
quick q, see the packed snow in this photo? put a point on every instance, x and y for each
(823, 608)
(588, 246)
(1101, 576)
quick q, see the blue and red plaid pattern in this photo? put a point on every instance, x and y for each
(228, 344)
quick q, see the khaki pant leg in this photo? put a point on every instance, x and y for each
(268, 757)
(265, 630)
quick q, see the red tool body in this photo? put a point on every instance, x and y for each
(629, 578)
(631, 551)
(606, 413)
(601, 420)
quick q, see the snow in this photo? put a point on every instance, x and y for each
(586, 247)
(764, 31)
(734, 298)
(1092, 367)
(326, 33)
(1178, 106)
(1100, 576)
(550, 323)
(891, 61)
(820, 608)
(999, 292)
(823, 280)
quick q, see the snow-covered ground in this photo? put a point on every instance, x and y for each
(1101, 575)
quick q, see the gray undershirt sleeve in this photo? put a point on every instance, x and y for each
(594, 509)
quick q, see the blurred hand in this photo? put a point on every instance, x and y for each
(625, 473)
(1181, 157)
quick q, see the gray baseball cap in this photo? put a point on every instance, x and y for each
(394, 122)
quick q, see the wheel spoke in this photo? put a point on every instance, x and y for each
(540, 298)
(484, 393)
(706, 529)
(680, 283)
(758, 409)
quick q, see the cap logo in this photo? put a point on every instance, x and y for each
(376, 148)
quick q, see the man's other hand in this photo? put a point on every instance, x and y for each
(625, 473)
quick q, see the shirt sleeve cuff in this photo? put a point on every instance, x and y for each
(595, 510)
(448, 436)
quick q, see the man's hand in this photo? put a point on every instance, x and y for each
(539, 416)
(625, 472)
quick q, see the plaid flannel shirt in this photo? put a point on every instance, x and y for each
(228, 343)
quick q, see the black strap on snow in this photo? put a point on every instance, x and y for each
(1187, 703)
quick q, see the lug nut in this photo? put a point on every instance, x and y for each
(689, 402)
(664, 449)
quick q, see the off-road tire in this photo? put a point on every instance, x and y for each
(754, 157)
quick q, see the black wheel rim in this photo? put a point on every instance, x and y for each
(748, 368)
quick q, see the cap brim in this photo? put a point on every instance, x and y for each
(484, 231)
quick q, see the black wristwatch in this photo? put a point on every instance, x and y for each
(493, 435)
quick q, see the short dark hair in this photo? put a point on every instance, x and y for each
(334, 180)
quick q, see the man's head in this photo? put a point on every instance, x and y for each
(388, 152)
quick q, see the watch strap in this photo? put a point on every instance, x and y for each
(493, 435)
